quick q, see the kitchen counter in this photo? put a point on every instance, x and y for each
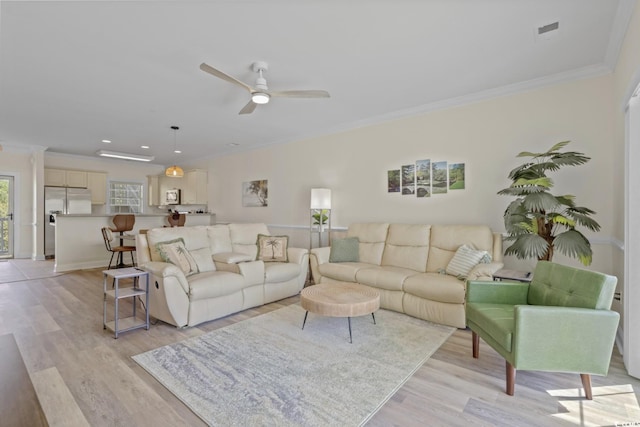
(79, 243)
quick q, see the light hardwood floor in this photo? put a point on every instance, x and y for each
(82, 376)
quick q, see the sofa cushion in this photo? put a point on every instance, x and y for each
(175, 252)
(407, 246)
(219, 238)
(497, 320)
(193, 237)
(213, 284)
(243, 237)
(446, 239)
(372, 238)
(203, 259)
(343, 271)
(345, 250)
(560, 285)
(272, 248)
(390, 278)
(276, 272)
(464, 260)
(436, 287)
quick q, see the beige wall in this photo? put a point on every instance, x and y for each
(486, 136)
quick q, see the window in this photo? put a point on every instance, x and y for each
(125, 197)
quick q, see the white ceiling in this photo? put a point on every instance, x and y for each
(76, 72)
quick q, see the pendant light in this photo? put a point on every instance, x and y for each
(174, 171)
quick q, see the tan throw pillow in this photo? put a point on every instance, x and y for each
(272, 248)
(464, 260)
(175, 252)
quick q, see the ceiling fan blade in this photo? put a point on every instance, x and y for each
(248, 109)
(300, 94)
(209, 69)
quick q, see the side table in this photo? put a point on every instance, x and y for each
(519, 276)
(117, 293)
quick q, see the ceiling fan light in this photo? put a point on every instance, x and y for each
(174, 172)
(260, 97)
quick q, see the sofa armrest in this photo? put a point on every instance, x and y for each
(321, 255)
(497, 292)
(567, 339)
(484, 271)
(318, 256)
(297, 255)
(165, 270)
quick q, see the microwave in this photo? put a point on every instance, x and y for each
(172, 197)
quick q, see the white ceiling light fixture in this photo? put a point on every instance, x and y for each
(174, 171)
(124, 156)
(260, 98)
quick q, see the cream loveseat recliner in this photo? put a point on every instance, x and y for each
(407, 264)
(235, 281)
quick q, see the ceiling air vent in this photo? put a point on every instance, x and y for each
(549, 27)
(547, 31)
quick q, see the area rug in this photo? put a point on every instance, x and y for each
(268, 371)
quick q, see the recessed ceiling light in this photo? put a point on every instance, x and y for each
(106, 141)
(146, 147)
(232, 144)
(177, 151)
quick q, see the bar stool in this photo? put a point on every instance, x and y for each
(177, 219)
(108, 237)
(122, 223)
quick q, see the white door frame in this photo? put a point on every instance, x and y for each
(11, 216)
(631, 295)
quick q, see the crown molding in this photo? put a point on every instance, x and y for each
(618, 32)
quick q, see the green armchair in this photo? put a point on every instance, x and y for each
(560, 322)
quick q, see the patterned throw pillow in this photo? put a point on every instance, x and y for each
(345, 250)
(465, 259)
(175, 252)
(272, 248)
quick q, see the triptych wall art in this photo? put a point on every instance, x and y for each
(424, 178)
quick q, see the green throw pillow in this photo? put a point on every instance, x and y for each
(345, 250)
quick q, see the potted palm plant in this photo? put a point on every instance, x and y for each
(540, 223)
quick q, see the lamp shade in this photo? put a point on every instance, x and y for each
(320, 198)
(174, 172)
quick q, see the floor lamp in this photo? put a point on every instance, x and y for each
(320, 215)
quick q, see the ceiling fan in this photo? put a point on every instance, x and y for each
(260, 93)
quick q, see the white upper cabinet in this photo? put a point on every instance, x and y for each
(195, 190)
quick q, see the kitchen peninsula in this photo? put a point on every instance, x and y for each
(79, 242)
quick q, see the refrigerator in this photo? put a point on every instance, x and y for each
(61, 200)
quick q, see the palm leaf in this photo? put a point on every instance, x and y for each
(528, 246)
(583, 219)
(540, 202)
(572, 243)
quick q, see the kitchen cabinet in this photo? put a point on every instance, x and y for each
(65, 178)
(195, 190)
(153, 190)
(97, 183)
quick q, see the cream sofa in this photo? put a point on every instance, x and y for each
(237, 281)
(406, 263)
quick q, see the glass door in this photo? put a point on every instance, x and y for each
(6, 216)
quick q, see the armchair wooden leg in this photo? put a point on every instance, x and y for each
(586, 383)
(475, 339)
(511, 378)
